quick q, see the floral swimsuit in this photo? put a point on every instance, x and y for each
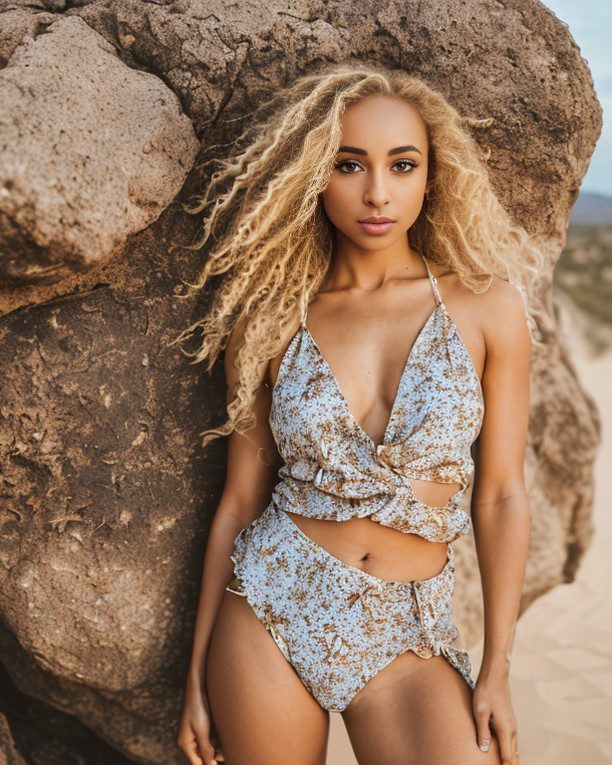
(336, 624)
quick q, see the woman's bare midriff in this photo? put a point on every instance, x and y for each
(376, 549)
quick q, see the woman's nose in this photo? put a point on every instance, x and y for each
(376, 193)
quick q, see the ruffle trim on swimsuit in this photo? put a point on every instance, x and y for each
(337, 625)
(399, 510)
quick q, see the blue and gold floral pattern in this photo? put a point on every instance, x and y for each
(336, 624)
(334, 471)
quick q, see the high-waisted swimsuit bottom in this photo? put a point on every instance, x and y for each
(338, 626)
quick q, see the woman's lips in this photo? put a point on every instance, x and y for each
(376, 228)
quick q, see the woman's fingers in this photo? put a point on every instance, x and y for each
(207, 750)
(506, 733)
(481, 716)
(214, 739)
(194, 741)
(515, 751)
(189, 747)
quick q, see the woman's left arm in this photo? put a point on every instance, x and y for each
(501, 510)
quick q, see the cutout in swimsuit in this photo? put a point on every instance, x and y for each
(333, 470)
(336, 624)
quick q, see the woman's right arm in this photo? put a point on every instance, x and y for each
(248, 489)
(252, 465)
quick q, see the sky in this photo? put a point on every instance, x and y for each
(590, 24)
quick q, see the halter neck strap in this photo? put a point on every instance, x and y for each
(433, 280)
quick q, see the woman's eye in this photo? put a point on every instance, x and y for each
(406, 162)
(346, 163)
(347, 166)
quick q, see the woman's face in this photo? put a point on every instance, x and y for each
(379, 171)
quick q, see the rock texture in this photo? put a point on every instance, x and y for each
(92, 151)
(106, 496)
(8, 753)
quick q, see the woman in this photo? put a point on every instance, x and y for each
(377, 356)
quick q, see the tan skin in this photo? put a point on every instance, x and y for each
(375, 298)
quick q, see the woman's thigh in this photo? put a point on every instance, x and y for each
(260, 708)
(416, 712)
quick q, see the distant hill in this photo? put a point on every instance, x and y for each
(584, 270)
(592, 210)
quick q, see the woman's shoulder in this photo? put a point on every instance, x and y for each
(499, 295)
(497, 314)
(503, 316)
(502, 304)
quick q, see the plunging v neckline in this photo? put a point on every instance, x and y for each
(439, 306)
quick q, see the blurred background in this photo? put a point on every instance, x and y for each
(561, 674)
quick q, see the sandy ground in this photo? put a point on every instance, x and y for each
(561, 670)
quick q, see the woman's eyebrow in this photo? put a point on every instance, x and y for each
(398, 150)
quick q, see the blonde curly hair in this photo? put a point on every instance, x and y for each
(277, 241)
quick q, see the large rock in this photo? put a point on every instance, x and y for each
(106, 494)
(92, 151)
(8, 752)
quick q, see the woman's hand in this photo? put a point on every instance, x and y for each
(196, 737)
(491, 699)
